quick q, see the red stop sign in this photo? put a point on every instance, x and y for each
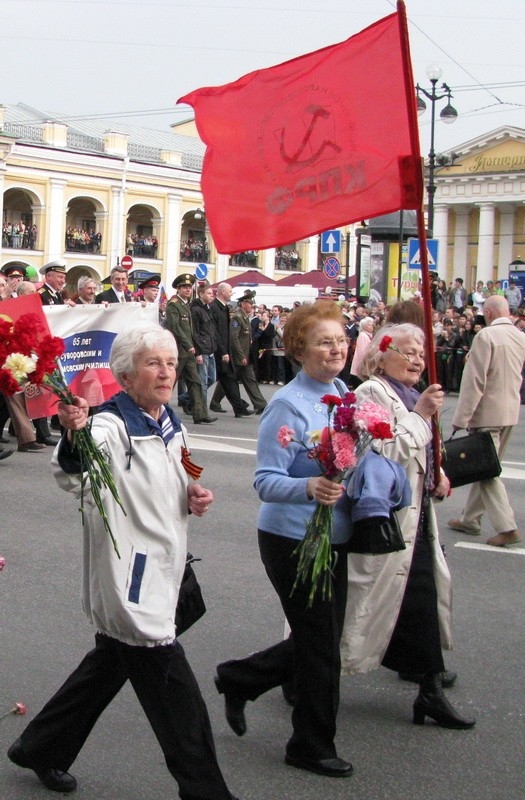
(126, 262)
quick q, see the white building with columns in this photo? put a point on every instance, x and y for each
(479, 209)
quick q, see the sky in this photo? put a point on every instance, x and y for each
(130, 60)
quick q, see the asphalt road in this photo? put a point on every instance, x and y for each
(43, 635)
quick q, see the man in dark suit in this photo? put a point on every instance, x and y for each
(118, 291)
(226, 379)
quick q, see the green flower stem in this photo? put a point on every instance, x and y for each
(93, 462)
(316, 560)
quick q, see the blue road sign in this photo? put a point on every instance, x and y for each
(201, 272)
(414, 254)
(331, 267)
(330, 242)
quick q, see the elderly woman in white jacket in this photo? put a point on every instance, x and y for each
(398, 610)
(131, 601)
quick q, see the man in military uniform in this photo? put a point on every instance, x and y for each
(51, 295)
(179, 322)
(14, 276)
(54, 281)
(150, 288)
(240, 341)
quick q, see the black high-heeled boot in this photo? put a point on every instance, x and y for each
(431, 702)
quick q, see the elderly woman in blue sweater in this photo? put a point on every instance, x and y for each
(289, 485)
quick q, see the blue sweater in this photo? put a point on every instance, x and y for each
(282, 473)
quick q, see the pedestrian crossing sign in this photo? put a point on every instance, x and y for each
(414, 253)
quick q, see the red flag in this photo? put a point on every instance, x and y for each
(317, 142)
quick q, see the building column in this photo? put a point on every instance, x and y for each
(38, 212)
(112, 250)
(170, 247)
(101, 224)
(441, 234)
(221, 271)
(56, 220)
(506, 239)
(485, 269)
(267, 262)
(312, 254)
(460, 245)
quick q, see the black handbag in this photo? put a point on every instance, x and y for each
(376, 536)
(190, 604)
(470, 458)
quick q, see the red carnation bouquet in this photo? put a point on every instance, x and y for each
(29, 355)
(336, 448)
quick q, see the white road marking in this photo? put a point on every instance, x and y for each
(205, 443)
(514, 550)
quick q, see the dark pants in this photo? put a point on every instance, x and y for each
(310, 657)
(187, 371)
(228, 383)
(246, 376)
(167, 691)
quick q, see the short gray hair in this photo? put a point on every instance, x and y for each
(366, 321)
(132, 341)
(371, 363)
(83, 281)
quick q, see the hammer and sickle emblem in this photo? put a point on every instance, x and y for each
(317, 112)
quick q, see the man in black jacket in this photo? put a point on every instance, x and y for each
(227, 382)
(204, 336)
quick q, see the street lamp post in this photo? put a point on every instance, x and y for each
(448, 115)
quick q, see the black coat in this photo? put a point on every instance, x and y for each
(221, 316)
(204, 328)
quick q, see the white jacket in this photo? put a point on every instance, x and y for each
(133, 599)
(376, 584)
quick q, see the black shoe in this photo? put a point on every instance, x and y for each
(5, 454)
(205, 420)
(247, 412)
(31, 447)
(53, 779)
(332, 767)
(234, 709)
(3, 440)
(431, 702)
(448, 677)
(48, 440)
(259, 411)
(217, 409)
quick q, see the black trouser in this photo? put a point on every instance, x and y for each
(228, 383)
(167, 691)
(310, 657)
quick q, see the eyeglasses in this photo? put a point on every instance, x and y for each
(410, 356)
(332, 344)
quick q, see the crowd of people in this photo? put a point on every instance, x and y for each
(141, 246)
(79, 240)
(19, 235)
(392, 610)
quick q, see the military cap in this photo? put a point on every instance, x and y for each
(12, 271)
(248, 295)
(54, 266)
(151, 280)
(186, 279)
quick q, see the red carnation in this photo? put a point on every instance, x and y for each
(385, 343)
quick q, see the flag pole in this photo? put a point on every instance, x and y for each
(421, 230)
